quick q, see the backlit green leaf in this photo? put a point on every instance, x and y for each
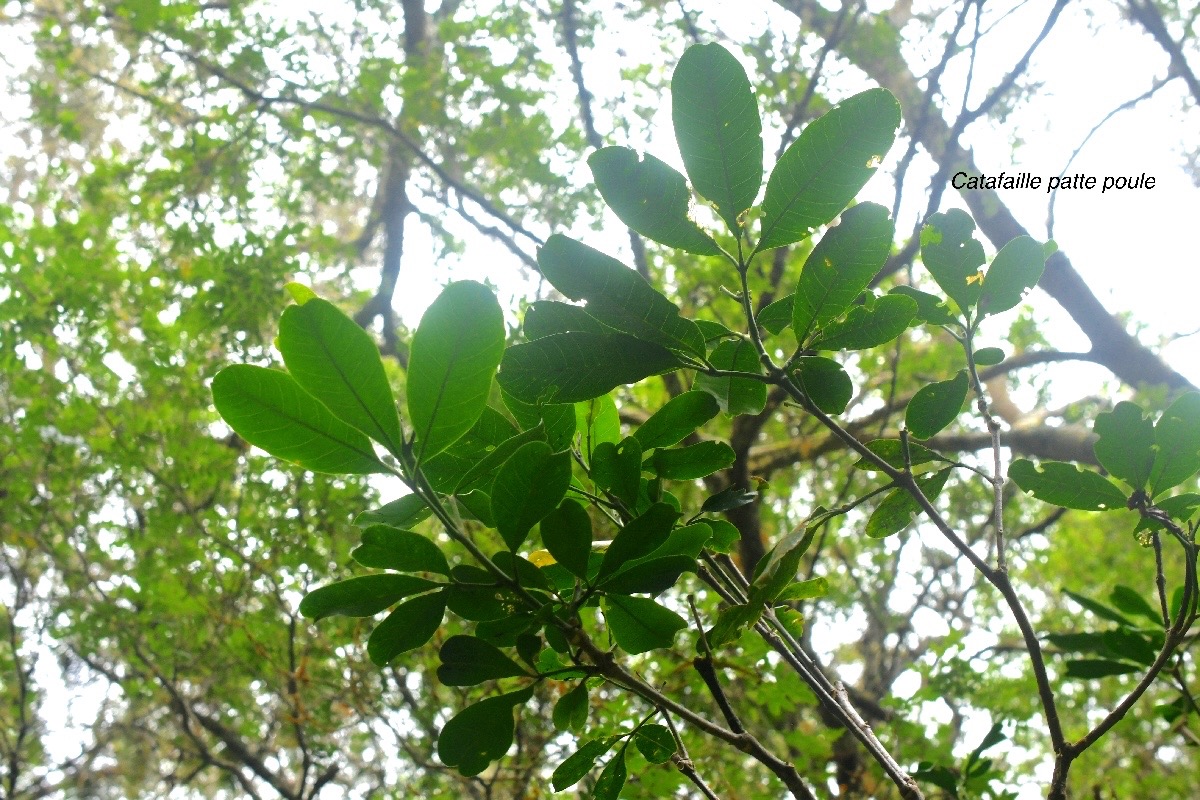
(480, 734)
(655, 742)
(825, 383)
(680, 416)
(384, 547)
(876, 322)
(410, 625)
(618, 468)
(571, 710)
(1014, 271)
(953, 256)
(529, 486)
(935, 406)
(1177, 434)
(547, 317)
(1066, 485)
(1125, 444)
(735, 395)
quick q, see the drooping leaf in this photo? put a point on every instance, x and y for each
(454, 354)
(935, 406)
(778, 567)
(1100, 610)
(718, 129)
(270, 410)
(480, 734)
(571, 710)
(825, 167)
(364, 596)
(548, 317)
(1177, 434)
(1125, 444)
(897, 510)
(410, 625)
(735, 395)
(612, 777)
(1014, 271)
(618, 468)
(639, 624)
(580, 763)
(693, 461)
(1131, 601)
(528, 486)
(876, 322)
(677, 418)
(384, 547)
(655, 742)
(804, 590)
(732, 622)
(639, 537)
(953, 256)
(725, 536)
(825, 383)
(567, 534)
(841, 267)
(404, 512)
(616, 295)
(468, 661)
(576, 366)
(337, 362)
(1066, 485)
(649, 196)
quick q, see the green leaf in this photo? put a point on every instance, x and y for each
(558, 419)
(598, 421)
(580, 763)
(410, 625)
(1131, 601)
(841, 267)
(735, 395)
(571, 710)
(576, 366)
(468, 661)
(567, 534)
(718, 129)
(988, 356)
(529, 486)
(655, 742)
(1098, 668)
(453, 357)
(618, 468)
(445, 471)
(639, 624)
(777, 569)
(777, 315)
(404, 512)
(649, 196)
(480, 734)
(825, 383)
(1177, 435)
(1066, 485)
(481, 602)
(384, 547)
(878, 321)
(612, 778)
(1014, 271)
(892, 452)
(337, 362)
(616, 295)
(654, 576)
(1180, 507)
(693, 461)
(482, 474)
(804, 590)
(953, 256)
(680, 416)
(725, 536)
(270, 410)
(1099, 609)
(727, 499)
(897, 510)
(931, 309)
(364, 596)
(1131, 646)
(1125, 444)
(732, 621)
(935, 406)
(825, 167)
(548, 317)
(639, 537)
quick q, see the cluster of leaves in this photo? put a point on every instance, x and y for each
(526, 437)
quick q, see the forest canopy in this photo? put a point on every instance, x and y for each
(672, 374)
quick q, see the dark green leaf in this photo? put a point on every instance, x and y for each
(841, 267)
(616, 295)
(480, 734)
(649, 577)
(481, 603)
(650, 197)
(639, 537)
(1125, 443)
(567, 534)
(363, 596)
(447, 469)
(580, 763)
(655, 742)
(453, 357)
(482, 473)
(897, 510)
(571, 710)
(1181, 507)
(693, 461)
(732, 621)
(478, 504)
(547, 317)
(892, 452)
(1066, 485)
(384, 547)
(337, 362)
(529, 486)
(1131, 646)
(939, 776)
(735, 395)
(778, 315)
(988, 356)
(935, 406)
(680, 416)
(953, 256)
(618, 468)
(410, 625)
(727, 499)
(1098, 668)
(826, 166)
(877, 322)
(612, 778)
(1177, 435)
(1014, 271)
(505, 631)
(725, 536)
(403, 512)
(557, 419)
(931, 309)
(777, 569)
(576, 366)
(1131, 601)
(639, 624)
(270, 410)
(825, 383)
(467, 661)
(1080, 643)
(718, 129)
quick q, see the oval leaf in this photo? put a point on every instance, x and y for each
(694, 461)
(1177, 434)
(1125, 444)
(529, 486)
(480, 734)
(1014, 271)
(570, 712)
(897, 510)
(680, 416)
(877, 322)
(825, 383)
(612, 778)
(364, 596)
(935, 406)
(384, 547)
(639, 624)
(580, 763)
(454, 355)
(410, 625)
(547, 317)
(1066, 485)
(735, 395)
(270, 410)
(953, 256)
(655, 742)
(468, 661)
(567, 534)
